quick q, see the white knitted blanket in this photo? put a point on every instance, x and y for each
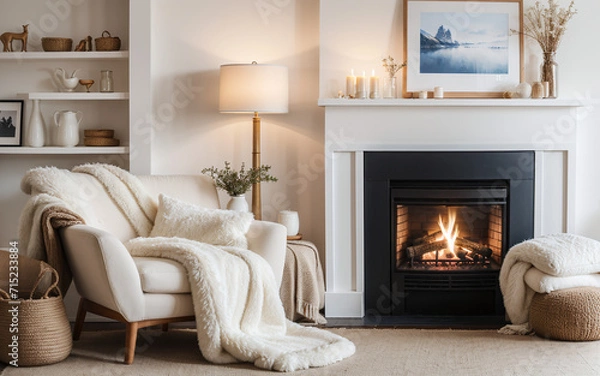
(544, 264)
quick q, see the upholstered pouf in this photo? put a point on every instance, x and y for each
(569, 315)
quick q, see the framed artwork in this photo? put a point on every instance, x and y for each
(470, 49)
(11, 122)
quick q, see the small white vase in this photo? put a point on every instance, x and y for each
(290, 220)
(36, 128)
(389, 87)
(238, 203)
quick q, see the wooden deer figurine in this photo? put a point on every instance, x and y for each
(8, 37)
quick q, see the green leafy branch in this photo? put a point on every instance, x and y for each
(237, 183)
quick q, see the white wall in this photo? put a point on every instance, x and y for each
(189, 43)
(192, 39)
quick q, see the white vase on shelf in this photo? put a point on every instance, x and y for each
(36, 128)
(238, 203)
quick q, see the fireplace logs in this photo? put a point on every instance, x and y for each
(464, 250)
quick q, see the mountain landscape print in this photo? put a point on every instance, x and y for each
(479, 46)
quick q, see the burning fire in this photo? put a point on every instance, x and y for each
(449, 230)
(448, 233)
(446, 244)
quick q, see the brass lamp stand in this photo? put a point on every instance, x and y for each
(256, 196)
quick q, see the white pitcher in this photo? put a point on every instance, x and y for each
(66, 131)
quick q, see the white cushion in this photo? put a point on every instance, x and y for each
(176, 218)
(162, 276)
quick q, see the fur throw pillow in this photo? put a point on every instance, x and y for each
(176, 218)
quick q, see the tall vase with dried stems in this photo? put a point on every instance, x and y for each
(547, 25)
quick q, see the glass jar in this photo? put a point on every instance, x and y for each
(106, 81)
(389, 87)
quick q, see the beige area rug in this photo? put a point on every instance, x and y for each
(379, 352)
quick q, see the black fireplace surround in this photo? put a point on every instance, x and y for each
(503, 179)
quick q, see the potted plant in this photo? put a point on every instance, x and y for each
(237, 183)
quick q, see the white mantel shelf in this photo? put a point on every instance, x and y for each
(449, 102)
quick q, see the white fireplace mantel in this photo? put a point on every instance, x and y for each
(352, 127)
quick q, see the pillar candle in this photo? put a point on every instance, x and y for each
(290, 220)
(374, 86)
(361, 86)
(351, 85)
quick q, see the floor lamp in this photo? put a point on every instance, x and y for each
(254, 88)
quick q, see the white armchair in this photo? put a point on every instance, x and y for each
(144, 291)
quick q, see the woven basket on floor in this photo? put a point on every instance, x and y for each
(44, 332)
(569, 315)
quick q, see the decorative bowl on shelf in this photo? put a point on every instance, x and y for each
(57, 44)
(87, 83)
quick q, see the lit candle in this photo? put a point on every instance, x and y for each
(374, 86)
(361, 86)
(351, 85)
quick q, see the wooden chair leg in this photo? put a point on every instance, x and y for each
(81, 312)
(130, 340)
(165, 327)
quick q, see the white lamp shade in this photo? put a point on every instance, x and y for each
(253, 88)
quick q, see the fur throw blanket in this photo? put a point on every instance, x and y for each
(545, 264)
(239, 315)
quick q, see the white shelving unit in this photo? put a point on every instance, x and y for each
(55, 150)
(68, 55)
(74, 96)
(67, 96)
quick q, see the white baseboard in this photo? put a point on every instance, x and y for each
(344, 304)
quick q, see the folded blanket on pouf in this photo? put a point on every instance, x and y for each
(545, 264)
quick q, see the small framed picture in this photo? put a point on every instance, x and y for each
(469, 48)
(11, 122)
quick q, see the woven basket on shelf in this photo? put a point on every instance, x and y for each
(44, 332)
(108, 133)
(100, 141)
(57, 44)
(107, 43)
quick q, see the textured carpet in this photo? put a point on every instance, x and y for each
(379, 352)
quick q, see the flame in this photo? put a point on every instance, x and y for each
(449, 230)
